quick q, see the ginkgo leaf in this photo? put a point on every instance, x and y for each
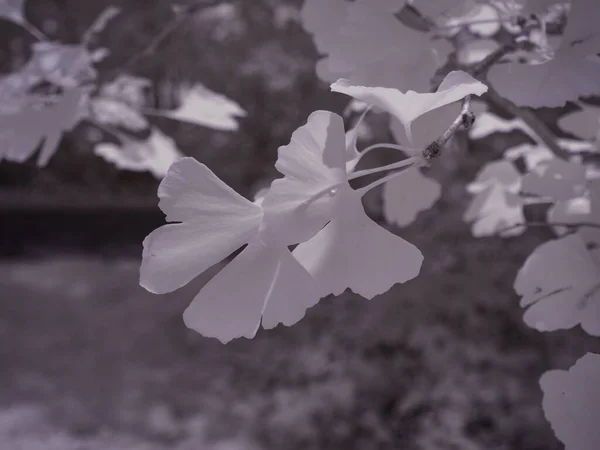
(13, 10)
(532, 154)
(500, 173)
(64, 65)
(216, 221)
(584, 123)
(365, 43)
(108, 111)
(496, 207)
(560, 285)
(495, 211)
(574, 146)
(24, 126)
(407, 195)
(314, 162)
(259, 282)
(201, 106)
(406, 107)
(585, 209)
(155, 154)
(354, 252)
(424, 129)
(488, 123)
(476, 51)
(556, 178)
(479, 17)
(572, 211)
(129, 89)
(552, 83)
(572, 403)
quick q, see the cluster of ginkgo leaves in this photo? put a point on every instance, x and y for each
(59, 87)
(386, 56)
(307, 236)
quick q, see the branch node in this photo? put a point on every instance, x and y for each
(432, 150)
(468, 119)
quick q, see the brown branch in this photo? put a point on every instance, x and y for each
(464, 120)
(531, 120)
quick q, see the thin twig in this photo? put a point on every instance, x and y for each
(465, 119)
(181, 15)
(34, 31)
(99, 24)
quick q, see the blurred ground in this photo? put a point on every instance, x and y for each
(91, 361)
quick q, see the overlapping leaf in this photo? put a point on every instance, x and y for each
(354, 252)
(201, 106)
(27, 124)
(496, 207)
(580, 210)
(363, 42)
(552, 83)
(572, 403)
(405, 196)
(556, 178)
(560, 285)
(584, 123)
(155, 154)
(108, 111)
(406, 107)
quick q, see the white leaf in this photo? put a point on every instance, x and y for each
(354, 252)
(476, 51)
(12, 10)
(575, 210)
(560, 283)
(532, 155)
(572, 403)
(584, 123)
(216, 221)
(128, 89)
(108, 111)
(154, 154)
(313, 162)
(24, 126)
(556, 178)
(406, 107)
(424, 129)
(495, 211)
(260, 281)
(204, 107)
(64, 65)
(501, 173)
(480, 18)
(407, 195)
(574, 146)
(487, 123)
(571, 73)
(580, 210)
(364, 42)
(496, 208)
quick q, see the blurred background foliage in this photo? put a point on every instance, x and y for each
(89, 360)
